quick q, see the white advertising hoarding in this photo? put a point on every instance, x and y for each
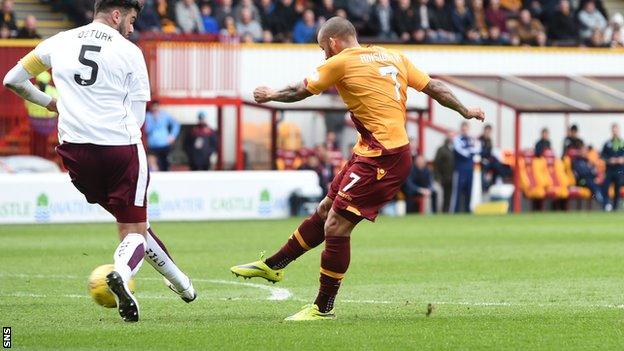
(51, 198)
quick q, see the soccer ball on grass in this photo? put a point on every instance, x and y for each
(98, 289)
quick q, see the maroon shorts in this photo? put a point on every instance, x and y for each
(116, 177)
(366, 184)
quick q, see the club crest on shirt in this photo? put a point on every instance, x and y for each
(381, 173)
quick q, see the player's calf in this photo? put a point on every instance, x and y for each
(157, 255)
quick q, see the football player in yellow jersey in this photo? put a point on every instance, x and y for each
(373, 83)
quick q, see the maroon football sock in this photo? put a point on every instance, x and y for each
(309, 235)
(334, 264)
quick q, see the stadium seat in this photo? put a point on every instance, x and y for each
(532, 182)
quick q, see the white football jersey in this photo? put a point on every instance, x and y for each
(98, 73)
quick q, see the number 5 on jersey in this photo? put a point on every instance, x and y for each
(354, 178)
(90, 63)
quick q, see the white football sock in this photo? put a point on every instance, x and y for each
(129, 256)
(156, 254)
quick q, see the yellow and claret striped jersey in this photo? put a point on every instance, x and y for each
(372, 82)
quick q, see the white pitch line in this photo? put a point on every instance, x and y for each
(277, 294)
(281, 294)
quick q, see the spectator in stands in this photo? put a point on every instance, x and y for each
(443, 167)
(162, 130)
(405, 20)
(480, 22)
(224, 10)
(248, 25)
(530, 31)
(29, 30)
(188, 17)
(419, 183)
(492, 169)
(149, 19)
(359, 12)
(285, 17)
(211, 26)
(563, 29)
(512, 6)
(543, 144)
(597, 40)
(199, 144)
(599, 6)
(464, 23)
(495, 16)
(591, 20)
(246, 4)
(266, 9)
(465, 148)
(5, 32)
(305, 29)
(495, 37)
(442, 31)
(229, 27)
(7, 16)
(614, 34)
(381, 21)
(326, 10)
(572, 141)
(167, 14)
(585, 174)
(613, 155)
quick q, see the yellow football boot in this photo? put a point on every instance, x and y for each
(311, 313)
(258, 269)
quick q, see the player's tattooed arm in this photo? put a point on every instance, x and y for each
(292, 93)
(442, 94)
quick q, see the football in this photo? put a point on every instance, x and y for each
(98, 289)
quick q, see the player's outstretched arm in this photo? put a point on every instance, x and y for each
(18, 80)
(292, 93)
(442, 94)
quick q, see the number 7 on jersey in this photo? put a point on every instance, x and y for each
(354, 180)
(393, 72)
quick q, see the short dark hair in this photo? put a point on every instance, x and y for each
(107, 5)
(574, 128)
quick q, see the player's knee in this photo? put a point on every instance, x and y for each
(336, 225)
(131, 228)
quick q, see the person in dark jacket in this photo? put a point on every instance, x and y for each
(613, 154)
(419, 183)
(543, 144)
(284, 18)
(405, 20)
(572, 141)
(381, 22)
(443, 166)
(442, 30)
(464, 148)
(563, 26)
(200, 143)
(7, 15)
(585, 174)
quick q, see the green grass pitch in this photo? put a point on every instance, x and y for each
(528, 282)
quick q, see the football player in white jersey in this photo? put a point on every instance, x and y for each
(103, 85)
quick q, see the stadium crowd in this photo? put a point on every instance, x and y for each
(474, 22)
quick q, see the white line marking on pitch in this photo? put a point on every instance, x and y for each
(277, 294)
(280, 294)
